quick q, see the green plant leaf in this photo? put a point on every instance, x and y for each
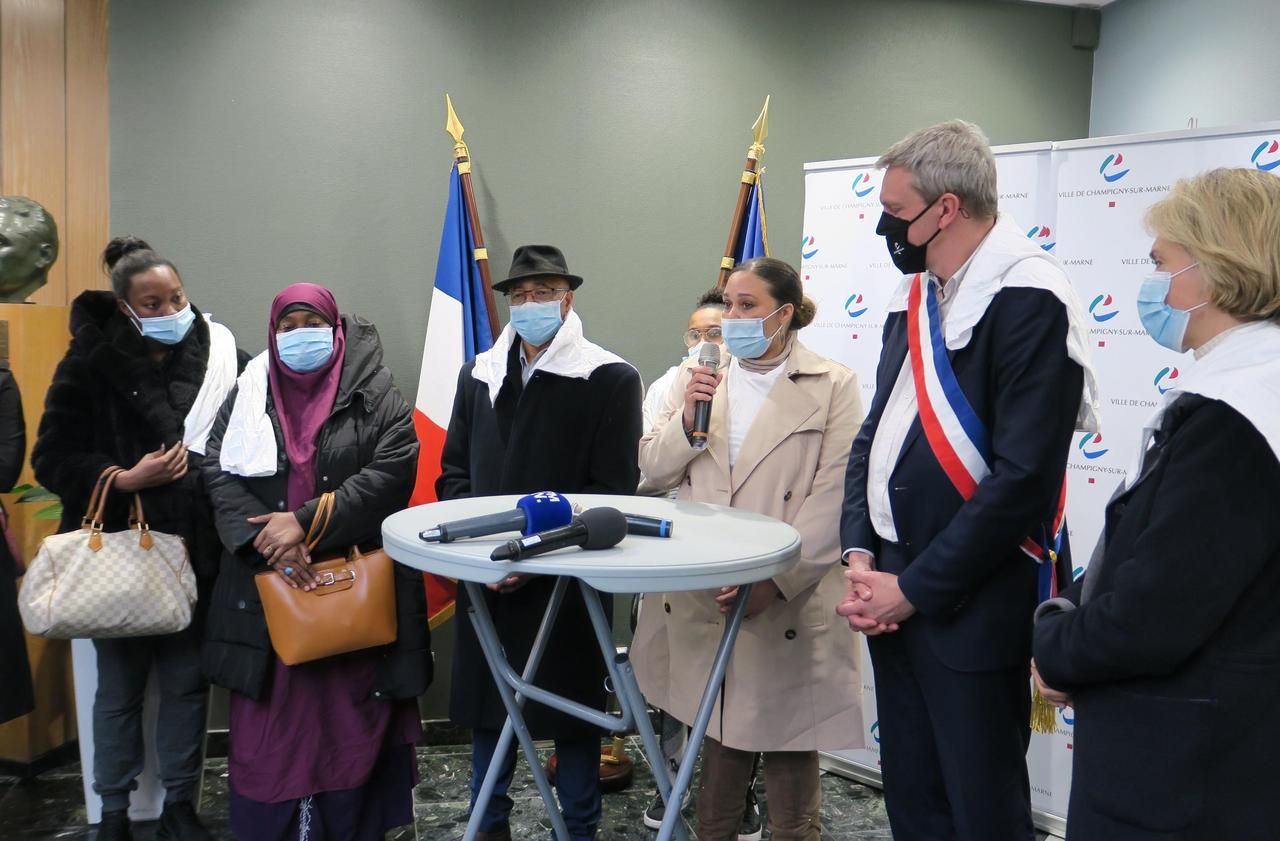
(38, 494)
(53, 512)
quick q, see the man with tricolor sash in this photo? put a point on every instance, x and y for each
(952, 523)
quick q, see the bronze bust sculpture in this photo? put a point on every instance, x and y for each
(28, 247)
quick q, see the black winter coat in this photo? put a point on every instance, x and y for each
(561, 434)
(17, 697)
(111, 404)
(367, 453)
(1173, 662)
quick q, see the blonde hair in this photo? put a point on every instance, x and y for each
(1228, 220)
(951, 157)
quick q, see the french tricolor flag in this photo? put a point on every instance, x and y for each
(457, 329)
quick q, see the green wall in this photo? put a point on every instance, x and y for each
(262, 143)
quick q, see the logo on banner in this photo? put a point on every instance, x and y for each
(805, 243)
(1068, 718)
(1042, 232)
(875, 731)
(854, 306)
(1265, 157)
(1115, 173)
(1166, 380)
(862, 186)
(1103, 308)
(1090, 445)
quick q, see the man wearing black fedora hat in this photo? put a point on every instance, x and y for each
(543, 410)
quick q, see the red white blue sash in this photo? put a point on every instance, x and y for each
(955, 433)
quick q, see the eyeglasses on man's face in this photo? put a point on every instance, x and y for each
(541, 295)
(708, 334)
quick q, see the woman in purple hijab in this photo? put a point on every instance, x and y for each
(321, 751)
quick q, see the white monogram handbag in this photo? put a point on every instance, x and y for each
(93, 584)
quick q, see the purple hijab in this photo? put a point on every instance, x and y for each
(303, 401)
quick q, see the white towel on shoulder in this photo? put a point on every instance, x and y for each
(249, 444)
(219, 377)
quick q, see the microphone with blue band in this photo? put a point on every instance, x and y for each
(645, 526)
(533, 513)
(641, 525)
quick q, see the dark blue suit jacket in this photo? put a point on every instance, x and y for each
(958, 562)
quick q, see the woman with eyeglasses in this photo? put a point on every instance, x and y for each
(703, 328)
(782, 422)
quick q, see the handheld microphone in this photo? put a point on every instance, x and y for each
(708, 357)
(645, 526)
(595, 528)
(641, 525)
(533, 513)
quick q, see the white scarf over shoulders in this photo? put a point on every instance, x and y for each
(1007, 259)
(569, 355)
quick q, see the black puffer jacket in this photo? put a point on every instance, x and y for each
(109, 404)
(367, 453)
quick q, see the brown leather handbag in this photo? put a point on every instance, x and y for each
(353, 608)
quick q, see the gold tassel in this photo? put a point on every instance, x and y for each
(1044, 716)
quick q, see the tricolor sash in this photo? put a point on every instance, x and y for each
(956, 435)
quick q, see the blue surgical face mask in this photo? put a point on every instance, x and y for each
(1166, 324)
(536, 322)
(305, 349)
(745, 338)
(166, 329)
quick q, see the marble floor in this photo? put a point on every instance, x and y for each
(52, 806)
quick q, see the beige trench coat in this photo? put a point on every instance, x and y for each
(793, 683)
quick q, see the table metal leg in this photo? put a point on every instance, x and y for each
(630, 700)
(483, 624)
(684, 776)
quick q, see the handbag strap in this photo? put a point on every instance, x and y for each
(320, 522)
(98, 502)
(92, 508)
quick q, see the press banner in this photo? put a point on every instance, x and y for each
(1084, 202)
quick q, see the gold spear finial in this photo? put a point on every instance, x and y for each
(759, 132)
(454, 127)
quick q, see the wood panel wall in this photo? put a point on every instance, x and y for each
(54, 148)
(54, 128)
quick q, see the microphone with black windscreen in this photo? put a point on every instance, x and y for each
(533, 513)
(708, 357)
(595, 528)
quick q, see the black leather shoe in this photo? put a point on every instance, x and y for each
(115, 827)
(178, 822)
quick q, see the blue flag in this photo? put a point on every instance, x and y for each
(753, 241)
(458, 274)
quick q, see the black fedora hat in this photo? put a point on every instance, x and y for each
(537, 261)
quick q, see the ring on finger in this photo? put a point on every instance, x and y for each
(288, 570)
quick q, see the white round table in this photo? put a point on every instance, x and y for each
(711, 546)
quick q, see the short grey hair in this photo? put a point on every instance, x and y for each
(951, 157)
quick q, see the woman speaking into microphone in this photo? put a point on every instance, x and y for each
(782, 421)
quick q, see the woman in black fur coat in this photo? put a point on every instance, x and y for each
(138, 389)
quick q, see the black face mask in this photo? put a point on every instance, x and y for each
(910, 259)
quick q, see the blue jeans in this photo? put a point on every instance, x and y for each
(577, 782)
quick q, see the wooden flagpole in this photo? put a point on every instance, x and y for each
(462, 157)
(749, 176)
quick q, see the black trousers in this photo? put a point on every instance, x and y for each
(953, 744)
(123, 668)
